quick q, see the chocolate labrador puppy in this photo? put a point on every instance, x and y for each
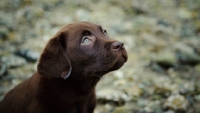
(69, 68)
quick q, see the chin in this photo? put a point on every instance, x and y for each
(119, 64)
(116, 64)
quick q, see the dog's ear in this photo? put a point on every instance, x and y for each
(54, 61)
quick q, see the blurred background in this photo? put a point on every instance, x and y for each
(162, 38)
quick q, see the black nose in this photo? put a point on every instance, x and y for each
(117, 46)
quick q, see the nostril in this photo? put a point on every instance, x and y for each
(117, 45)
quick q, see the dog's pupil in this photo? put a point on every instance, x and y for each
(85, 40)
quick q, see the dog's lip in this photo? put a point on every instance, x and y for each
(124, 57)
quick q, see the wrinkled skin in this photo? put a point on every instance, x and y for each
(69, 68)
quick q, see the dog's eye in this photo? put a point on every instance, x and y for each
(105, 32)
(85, 40)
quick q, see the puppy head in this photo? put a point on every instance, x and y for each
(83, 47)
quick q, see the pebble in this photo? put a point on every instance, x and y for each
(187, 88)
(197, 98)
(13, 61)
(3, 33)
(3, 69)
(169, 111)
(142, 102)
(187, 58)
(29, 55)
(165, 59)
(164, 87)
(184, 13)
(157, 108)
(193, 42)
(176, 102)
(187, 30)
(133, 90)
(185, 54)
(122, 109)
(112, 94)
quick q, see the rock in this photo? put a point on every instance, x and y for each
(144, 24)
(133, 90)
(197, 69)
(165, 59)
(164, 87)
(182, 47)
(176, 102)
(104, 108)
(169, 111)
(163, 23)
(1, 97)
(123, 109)
(190, 99)
(184, 13)
(197, 98)
(187, 30)
(20, 73)
(144, 111)
(154, 43)
(157, 108)
(186, 55)
(6, 20)
(112, 95)
(13, 61)
(119, 74)
(192, 42)
(197, 50)
(163, 90)
(30, 56)
(187, 58)
(142, 102)
(16, 81)
(3, 90)
(139, 10)
(3, 33)
(187, 88)
(3, 69)
(82, 15)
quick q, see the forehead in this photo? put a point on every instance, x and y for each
(80, 26)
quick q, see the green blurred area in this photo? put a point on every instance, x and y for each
(162, 38)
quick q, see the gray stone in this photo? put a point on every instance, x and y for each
(176, 102)
(186, 55)
(3, 69)
(3, 33)
(112, 94)
(30, 56)
(165, 59)
(13, 61)
(188, 58)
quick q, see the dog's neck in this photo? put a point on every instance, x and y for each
(84, 84)
(80, 84)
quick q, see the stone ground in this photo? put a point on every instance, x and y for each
(162, 38)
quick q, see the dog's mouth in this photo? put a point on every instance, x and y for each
(119, 63)
(124, 56)
(113, 65)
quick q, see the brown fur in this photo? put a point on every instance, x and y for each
(50, 90)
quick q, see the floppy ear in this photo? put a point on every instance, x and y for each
(54, 61)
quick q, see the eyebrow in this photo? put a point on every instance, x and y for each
(100, 28)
